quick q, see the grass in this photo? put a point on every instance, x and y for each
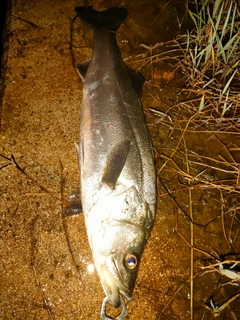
(198, 153)
(211, 55)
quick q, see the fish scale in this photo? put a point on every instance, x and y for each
(117, 169)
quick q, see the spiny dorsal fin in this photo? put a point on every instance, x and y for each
(115, 163)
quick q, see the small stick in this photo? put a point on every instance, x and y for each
(32, 262)
(223, 222)
(224, 305)
(193, 247)
(187, 216)
(13, 162)
(65, 224)
(235, 262)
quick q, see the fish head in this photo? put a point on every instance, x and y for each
(118, 234)
(117, 270)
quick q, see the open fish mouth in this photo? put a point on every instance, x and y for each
(112, 282)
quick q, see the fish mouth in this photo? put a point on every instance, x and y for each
(112, 282)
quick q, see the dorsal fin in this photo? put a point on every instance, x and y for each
(137, 79)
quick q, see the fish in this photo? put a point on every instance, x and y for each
(116, 158)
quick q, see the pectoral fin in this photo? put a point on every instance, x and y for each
(77, 149)
(80, 153)
(115, 163)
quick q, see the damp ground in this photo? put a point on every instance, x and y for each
(45, 267)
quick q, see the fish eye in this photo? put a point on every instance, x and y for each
(131, 261)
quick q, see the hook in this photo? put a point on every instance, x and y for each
(121, 316)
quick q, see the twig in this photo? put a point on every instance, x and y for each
(32, 262)
(191, 235)
(217, 310)
(65, 224)
(223, 223)
(193, 247)
(177, 204)
(12, 161)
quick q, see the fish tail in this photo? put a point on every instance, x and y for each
(109, 19)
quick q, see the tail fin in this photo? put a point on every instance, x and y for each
(109, 19)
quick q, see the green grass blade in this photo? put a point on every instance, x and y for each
(216, 6)
(225, 102)
(203, 12)
(228, 83)
(231, 48)
(199, 57)
(220, 50)
(233, 20)
(229, 44)
(207, 84)
(197, 19)
(218, 21)
(236, 64)
(193, 15)
(210, 44)
(226, 22)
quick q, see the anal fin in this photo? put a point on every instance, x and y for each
(82, 68)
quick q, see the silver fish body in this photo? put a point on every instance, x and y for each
(118, 178)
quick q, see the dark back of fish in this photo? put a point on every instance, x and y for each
(112, 114)
(118, 178)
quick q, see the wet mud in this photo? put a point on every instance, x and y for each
(46, 265)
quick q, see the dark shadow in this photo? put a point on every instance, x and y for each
(3, 12)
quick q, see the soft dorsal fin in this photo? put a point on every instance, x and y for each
(82, 68)
(115, 163)
(137, 79)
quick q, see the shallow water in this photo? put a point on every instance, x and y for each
(45, 257)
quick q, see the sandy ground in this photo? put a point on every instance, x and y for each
(45, 256)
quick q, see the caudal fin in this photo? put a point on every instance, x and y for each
(109, 19)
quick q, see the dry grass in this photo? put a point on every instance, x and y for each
(199, 155)
(211, 56)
